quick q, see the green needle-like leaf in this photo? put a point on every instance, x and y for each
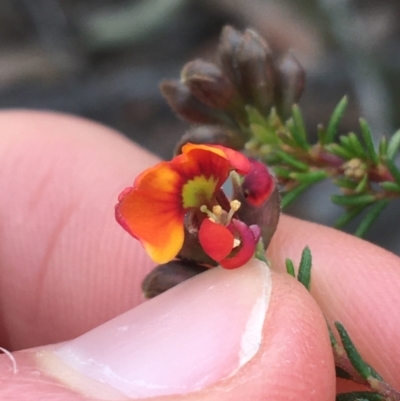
(353, 200)
(263, 134)
(383, 147)
(290, 267)
(393, 145)
(340, 151)
(304, 274)
(370, 217)
(345, 182)
(321, 132)
(369, 143)
(335, 120)
(255, 117)
(292, 195)
(362, 185)
(346, 144)
(357, 146)
(354, 356)
(310, 178)
(393, 170)
(291, 161)
(390, 186)
(260, 251)
(286, 136)
(298, 130)
(282, 172)
(360, 396)
(348, 216)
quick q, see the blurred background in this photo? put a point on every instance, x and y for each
(103, 60)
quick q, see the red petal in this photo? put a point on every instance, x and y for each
(237, 161)
(246, 248)
(258, 184)
(215, 239)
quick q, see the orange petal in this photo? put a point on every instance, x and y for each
(152, 212)
(203, 162)
(215, 239)
(237, 160)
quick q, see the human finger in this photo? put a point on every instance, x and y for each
(354, 282)
(223, 335)
(66, 265)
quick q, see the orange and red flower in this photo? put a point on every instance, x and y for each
(156, 209)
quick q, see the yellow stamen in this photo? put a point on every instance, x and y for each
(217, 210)
(213, 217)
(235, 205)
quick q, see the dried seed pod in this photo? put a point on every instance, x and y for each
(168, 275)
(292, 79)
(208, 84)
(186, 106)
(212, 134)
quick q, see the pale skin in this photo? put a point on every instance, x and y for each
(59, 179)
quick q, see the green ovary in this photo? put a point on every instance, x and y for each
(198, 191)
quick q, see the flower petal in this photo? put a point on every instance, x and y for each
(258, 184)
(200, 161)
(153, 213)
(246, 248)
(237, 160)
(216, 240)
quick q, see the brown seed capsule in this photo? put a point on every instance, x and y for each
(186, 106)
(292, 79)
(208, 84)
(166, 276)
(212, 134)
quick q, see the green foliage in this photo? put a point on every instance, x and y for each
(365, 370)
(248, 100)
(366, 176)
(349, 363)
(304, 271)
(360, 396)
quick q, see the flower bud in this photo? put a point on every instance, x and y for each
(229, 41)
(212, 134)
(208, 84)
(255, 63)
(168, 275)
(260, 200)
(291, 84)
(186, 106)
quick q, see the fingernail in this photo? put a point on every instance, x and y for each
(188, 338)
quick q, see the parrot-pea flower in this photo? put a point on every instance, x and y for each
(183, 197)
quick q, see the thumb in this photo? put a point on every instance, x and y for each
(222, 335)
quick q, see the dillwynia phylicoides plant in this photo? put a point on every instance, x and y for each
(245, 118)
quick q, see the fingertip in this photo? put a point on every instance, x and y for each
(292, 359)
(353, 282)
(61, 176)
